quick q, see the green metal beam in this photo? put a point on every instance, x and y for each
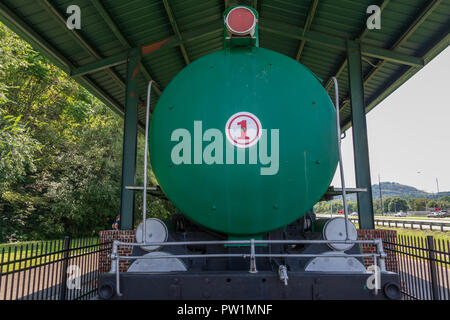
(360, 144)
(167, 43)
(365, 31)
(391, 56)
(308, 22)
(380, 96)
(176, 30)
(129, 145)
(196, 34)
(116, 31)
(427, 10)
(110, 22)
(278, 28)
(295, 32)
(100, 65)
(47, 6)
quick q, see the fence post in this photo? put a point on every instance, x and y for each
(433, 273)
(66, 253)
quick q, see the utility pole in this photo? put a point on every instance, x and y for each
(437, 194)
(426, 199)
(381, 196)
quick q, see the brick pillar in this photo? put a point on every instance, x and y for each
(390, 248)
(106, 237)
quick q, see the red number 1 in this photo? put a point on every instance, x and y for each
(243, 125)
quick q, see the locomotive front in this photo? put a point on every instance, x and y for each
(243, 142)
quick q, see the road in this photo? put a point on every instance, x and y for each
(398, 222)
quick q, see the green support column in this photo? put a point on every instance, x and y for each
(360, 145)
(129, 145)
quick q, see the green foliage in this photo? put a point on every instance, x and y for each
(60, 148)
(433, 204)
(397, 204)
(420, 204)
(390, 204)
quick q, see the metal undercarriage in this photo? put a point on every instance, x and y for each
(235, 285)
(288, 264)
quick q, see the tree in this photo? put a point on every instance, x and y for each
(61, 152)
(386, 203)
(445, 202)
(420, 204)
(431, 204)
(398, 204)
(377, 206)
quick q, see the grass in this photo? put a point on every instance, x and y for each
(413, 217)
(405, 236)
(438, 235)
(39, 252)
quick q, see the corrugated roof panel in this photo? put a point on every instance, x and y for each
(293, 12)
(146, 21)
(191, 14)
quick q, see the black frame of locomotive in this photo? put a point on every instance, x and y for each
(238, 283)
(251, 284)
(209, 283)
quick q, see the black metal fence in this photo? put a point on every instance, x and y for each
(424, 267)
(51, 270)
(68, 269)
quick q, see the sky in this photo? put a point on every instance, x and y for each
(409, 132)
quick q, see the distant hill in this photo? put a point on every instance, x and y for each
(394, 189)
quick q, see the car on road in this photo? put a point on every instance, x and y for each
(440, 214)
(353, 214)
(400, 214)
(443, 214)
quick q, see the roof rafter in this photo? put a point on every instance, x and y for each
(45, 4)
(170, 42)
(308, 22)
(176, 30)
(407, 34)
(295, 32)
(435, 49)
(115, 29)
(362, 35)
(429, 8)
(268, 25)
